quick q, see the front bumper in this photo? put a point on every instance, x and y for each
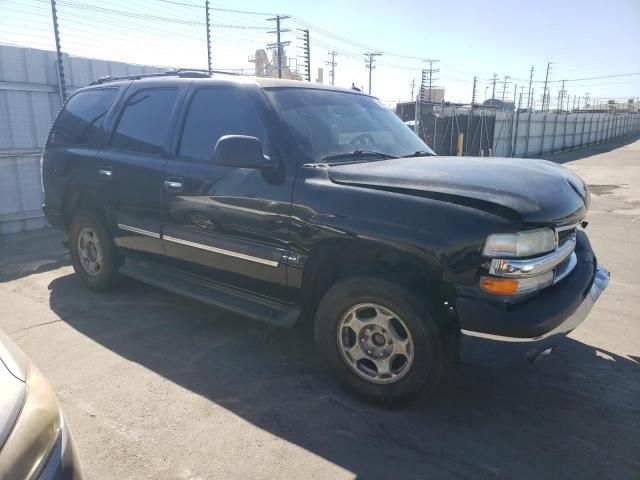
(492, 350)
(493, 334)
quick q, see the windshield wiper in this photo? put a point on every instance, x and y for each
(358, 154)
(419, 153)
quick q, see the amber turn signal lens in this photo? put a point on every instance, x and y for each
(499, 286)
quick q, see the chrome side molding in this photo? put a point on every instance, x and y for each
(140, 231)
(222, 251)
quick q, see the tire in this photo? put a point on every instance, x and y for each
(93, 253)
(347, 322)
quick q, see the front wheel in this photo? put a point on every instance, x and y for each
(381, 341)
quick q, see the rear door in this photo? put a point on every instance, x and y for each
(71, 157)
(133, 164)
(228, 224)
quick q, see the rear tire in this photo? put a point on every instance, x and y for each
(381, 341)
(93, 253)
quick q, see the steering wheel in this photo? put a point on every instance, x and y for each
(363, 140)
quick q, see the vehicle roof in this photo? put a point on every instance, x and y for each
(215, 79)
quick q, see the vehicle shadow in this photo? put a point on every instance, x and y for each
(574, 415)
(580, 153)
(17, 257)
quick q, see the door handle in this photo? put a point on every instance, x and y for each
(173, 185)
(105, 172)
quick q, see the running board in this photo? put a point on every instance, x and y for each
(197, 288)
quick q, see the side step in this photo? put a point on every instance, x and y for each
(242, 303)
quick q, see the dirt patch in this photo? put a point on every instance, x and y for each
(602, 189)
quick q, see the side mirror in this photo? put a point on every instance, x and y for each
(241, 151)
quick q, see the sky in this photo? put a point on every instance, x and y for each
(583, 39)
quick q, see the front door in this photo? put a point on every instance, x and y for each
(230, 225)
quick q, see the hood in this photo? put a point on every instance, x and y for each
(535, 191)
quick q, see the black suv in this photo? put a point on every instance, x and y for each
(288, 201)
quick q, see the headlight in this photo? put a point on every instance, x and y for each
(520, 244)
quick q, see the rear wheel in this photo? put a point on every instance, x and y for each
(92, 251)
(381, 341)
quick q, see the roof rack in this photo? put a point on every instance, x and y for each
(178, 72)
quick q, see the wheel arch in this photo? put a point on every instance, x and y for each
(332, 260)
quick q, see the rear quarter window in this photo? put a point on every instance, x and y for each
(80, 120)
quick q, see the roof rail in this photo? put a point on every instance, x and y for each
(178, 72)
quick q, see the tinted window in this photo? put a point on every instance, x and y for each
(144, 125)
(82, 116)
(215, 112)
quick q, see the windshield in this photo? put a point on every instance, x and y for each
(328, 124)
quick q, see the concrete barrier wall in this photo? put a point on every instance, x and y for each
(29, 101)
(532, 134)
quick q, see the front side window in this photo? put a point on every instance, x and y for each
(213, 113)
(144, 125)
(329, 123)
(81, 118)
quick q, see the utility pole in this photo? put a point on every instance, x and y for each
(586, 100)
(545, 92)
(530, 82)
(579, 103)
(307, 53)
(332, 64)
(56, 33)
(279, 43)
(369, 63)
(206, 7)
(413, 86)
(504, 86)
(493, 91)
(561, 95)
(431, 79)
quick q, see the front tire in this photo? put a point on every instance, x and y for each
(381, 341)
(92, 250)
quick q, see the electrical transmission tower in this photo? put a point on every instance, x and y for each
(369, 63)
(493, 80)
(279, 43)
(332, 64)
(586, 100)
(307, 53)
(431, 79)
(545, 92)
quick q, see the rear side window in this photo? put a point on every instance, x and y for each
(213, 113)
(82, 116)
(144, 124)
